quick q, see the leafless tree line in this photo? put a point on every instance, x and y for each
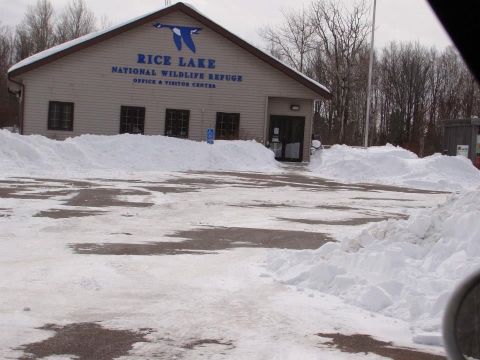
(413, 86)
(40, 29)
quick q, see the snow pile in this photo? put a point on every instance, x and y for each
(405, 269)
(392, 165)
(91, 153)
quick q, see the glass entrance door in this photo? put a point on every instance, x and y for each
(286, 137)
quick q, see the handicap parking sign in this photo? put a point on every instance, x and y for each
(210, 136)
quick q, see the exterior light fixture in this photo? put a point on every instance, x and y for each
(295, 107)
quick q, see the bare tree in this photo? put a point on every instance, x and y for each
(357, 101)
(75, 21)
(342, 34)
(450, 105)
(293, 41)
(6, 49)
(105, 22)
(36, 31)
(24, 46)
(436, 86)
(8, 108)
(406, 75)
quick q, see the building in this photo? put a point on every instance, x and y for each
(172, 72)
(462, 137)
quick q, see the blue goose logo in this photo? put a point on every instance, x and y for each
(181, 32)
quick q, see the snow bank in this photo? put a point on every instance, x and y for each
(405, 269)
(90, 153)
(392, 165)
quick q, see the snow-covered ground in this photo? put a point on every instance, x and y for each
(225, 294)
(389, 279)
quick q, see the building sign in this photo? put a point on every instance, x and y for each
(184, 71)
(181, 33)
(181, 62)
(210, 136)
(463, 150)
(195, 72)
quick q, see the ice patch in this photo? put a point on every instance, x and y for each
(428, 339)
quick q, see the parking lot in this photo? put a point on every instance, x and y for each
(173, 266)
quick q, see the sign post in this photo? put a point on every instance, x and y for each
(477, 159)
(210, 136)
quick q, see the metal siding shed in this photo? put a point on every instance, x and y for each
(461, 132)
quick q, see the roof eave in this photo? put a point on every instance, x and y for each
(256, 52)
(459, 122)
(86, 44)
(198, 17)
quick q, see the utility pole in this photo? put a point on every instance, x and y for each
(369, 88)
(168, 2)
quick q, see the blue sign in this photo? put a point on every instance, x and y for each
(210, 136)
(181, 32)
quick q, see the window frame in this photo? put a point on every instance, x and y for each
(127, 108)
(176, 126)
(229, 136)
(62, 105)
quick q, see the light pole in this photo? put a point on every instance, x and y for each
(370, 68)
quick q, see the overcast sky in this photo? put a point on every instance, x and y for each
(402, 20)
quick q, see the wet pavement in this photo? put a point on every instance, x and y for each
(365, 344)
(79, 197)
(210, 240)
(91, 341)
(349, 222)
(66, 213)
(84, 341)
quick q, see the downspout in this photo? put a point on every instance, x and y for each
(265, 139)
(22, 101)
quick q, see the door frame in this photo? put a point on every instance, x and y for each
(284, 119)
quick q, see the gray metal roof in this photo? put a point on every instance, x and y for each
(459, 122)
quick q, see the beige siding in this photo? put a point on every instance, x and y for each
(86, 79)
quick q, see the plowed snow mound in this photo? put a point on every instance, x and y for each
(390, 165)
(401, 268)
(86, 153)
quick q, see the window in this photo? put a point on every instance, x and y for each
(176, 123)
(227, 126)
(132, 120)
(60, 116)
